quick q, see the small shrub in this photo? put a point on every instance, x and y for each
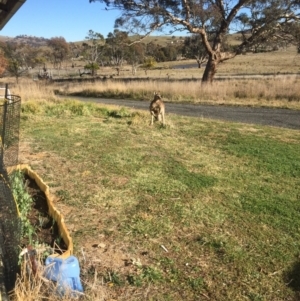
(114, 278)
(145, 274)
(31, 108)
(123, 112)
(101, 111)
(69, 108)
(137, 118)
(240, 94)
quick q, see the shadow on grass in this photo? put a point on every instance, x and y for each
(292, 278)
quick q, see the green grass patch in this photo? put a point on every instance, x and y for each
(209, 210)
(274, 156)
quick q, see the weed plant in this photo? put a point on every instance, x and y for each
(24, 202)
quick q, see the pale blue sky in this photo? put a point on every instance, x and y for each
(71, 19)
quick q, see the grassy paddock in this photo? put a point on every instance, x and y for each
(199, 210)
(279, 90)
(277, 62)
(275, 92)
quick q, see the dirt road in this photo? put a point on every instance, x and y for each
(265, 116)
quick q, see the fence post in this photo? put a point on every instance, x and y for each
(6, 88)
(3, 126)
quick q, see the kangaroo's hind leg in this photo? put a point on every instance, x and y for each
(152, 118)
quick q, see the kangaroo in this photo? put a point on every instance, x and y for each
(157, 109)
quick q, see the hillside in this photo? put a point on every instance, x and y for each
(24, 39)
(161, 40)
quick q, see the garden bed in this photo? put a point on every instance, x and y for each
(46, 228)
(43, 222)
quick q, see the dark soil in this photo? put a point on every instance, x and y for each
(47, 231)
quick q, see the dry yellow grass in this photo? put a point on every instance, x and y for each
(272, 92)
(277, 62)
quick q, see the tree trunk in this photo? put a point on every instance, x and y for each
(133, 69)
(210, 69)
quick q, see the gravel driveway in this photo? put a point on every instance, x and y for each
(265, 116)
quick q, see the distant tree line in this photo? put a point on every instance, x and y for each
(259, 23)
(17, 56)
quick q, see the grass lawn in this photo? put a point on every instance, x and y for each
(199, 210)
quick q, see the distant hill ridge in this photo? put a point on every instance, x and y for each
(25, 39)
(162, 40)
(40, 41)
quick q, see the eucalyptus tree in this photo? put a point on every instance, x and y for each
(291, 34)
(135, 56)
(75, 50)
(117, 48)
(17, 59)
(153, 49)
(170, 51)
(59, 51)
(3, 62)
(256, 20)
(92, 50)
(193, 48)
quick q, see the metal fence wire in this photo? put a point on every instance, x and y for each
(10, 223)
(10, 125)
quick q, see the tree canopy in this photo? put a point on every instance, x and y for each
(60, 50)
(3, 62)
(257, 21)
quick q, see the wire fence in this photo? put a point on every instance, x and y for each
(10, 125)
(10, 223)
